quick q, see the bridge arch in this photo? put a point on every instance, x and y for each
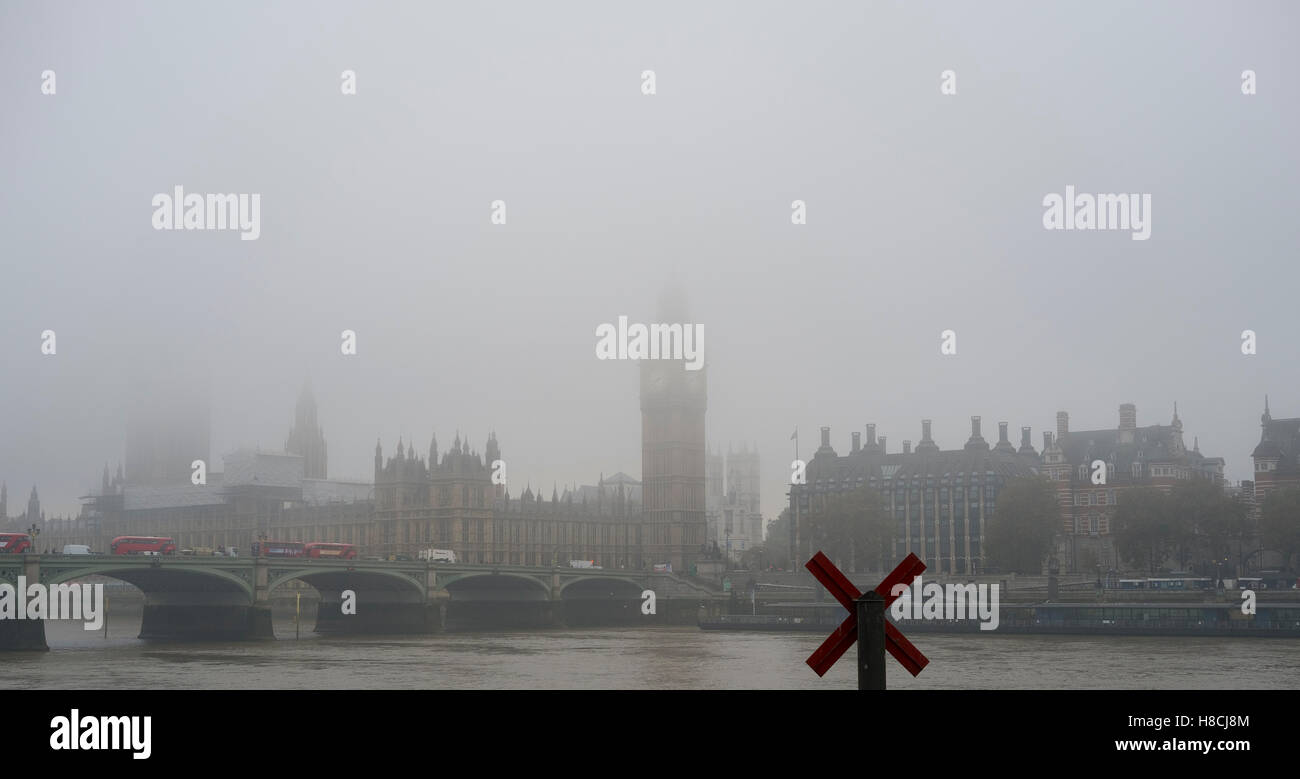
(618, 585)
(485, 580)
(156, 578)
(330, 579)
(494, 598)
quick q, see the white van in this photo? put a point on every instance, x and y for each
(76, 549)
(438, 555)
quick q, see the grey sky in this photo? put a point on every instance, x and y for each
(924, 214)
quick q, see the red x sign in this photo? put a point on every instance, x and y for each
(838, 642)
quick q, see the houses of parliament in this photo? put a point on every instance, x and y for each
(445, 499)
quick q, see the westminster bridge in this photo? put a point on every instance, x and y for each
(223, 598)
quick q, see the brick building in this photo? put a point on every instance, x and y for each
(1277, 457)
(1132, 457)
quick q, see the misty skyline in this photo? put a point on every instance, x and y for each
(924, 214)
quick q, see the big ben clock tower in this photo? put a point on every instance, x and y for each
(673, 400)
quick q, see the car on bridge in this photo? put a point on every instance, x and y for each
(438, 555)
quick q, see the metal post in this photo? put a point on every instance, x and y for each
(794, 519)
(105, 617)
(871, 641)
(794, 533)
(297, 617)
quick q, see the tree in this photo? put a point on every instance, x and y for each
(853, 529)
(1024, 525)
(776, 543)
(1144, 527)
(1206, 523)
(1279, 523)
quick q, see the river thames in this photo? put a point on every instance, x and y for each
(636, 659)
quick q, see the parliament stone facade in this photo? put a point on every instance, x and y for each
(445, 500)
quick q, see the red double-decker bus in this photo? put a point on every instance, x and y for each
(15, 543)
(329, 550)
(279, 549)
(142, 545)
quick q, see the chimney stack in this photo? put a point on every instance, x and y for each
(826, 437)
(976, 442)
(926, 444)
(1004, 445)
(907, 447)
(882, 444)
(1025, 446)
(1047, 440)
(871, 434)
(857, 442)
(1128, 416)
(1062, 424)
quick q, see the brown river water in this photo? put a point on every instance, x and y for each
(634, 659)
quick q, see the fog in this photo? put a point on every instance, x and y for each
(924, 214)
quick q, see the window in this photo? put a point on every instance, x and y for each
(1092, 524)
